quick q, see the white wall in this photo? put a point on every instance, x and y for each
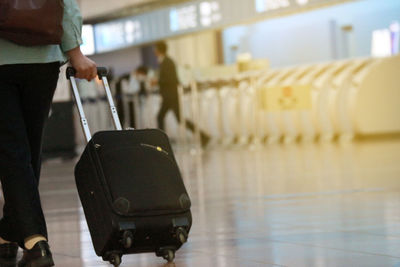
(195, 50)
(313, 36)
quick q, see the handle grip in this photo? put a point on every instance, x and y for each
(101, 72)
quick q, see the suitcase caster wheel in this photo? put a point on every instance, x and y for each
(169, 255)
(115, 260)
(182, 235)
(127, 239)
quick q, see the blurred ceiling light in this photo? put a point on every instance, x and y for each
(87, 46)
(205, 8)
(265, 5)
(385, 42)
(133, 31)
(381, 43)
(210, 13)
(183, 18)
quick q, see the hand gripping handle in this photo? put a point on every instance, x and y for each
(101, 72)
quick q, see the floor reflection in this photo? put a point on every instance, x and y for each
(276, 205)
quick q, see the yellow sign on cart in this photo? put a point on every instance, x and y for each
(294, 97)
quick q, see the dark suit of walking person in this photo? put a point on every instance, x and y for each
(168, 83)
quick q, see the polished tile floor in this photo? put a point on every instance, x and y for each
(280, 205)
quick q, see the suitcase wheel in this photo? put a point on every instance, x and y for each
(169, 255)
(181, 235)
(127, 239)
(115, 260)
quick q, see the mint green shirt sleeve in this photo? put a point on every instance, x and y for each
(11, 53)
(72, 25)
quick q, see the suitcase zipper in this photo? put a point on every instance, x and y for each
(157, 148)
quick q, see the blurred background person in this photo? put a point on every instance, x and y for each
(168, 82)
(134, 92)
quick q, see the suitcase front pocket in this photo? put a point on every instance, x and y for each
(143, 180)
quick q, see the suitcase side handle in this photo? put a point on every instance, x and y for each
(102, 74)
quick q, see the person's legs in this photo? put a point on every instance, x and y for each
(175, 108)
(6, 225)
(23, 95)
(14, 151)
(36, 102)
(161, 114)
(204, 138)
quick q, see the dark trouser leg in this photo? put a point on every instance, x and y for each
(204, 138)
(161, 114)
(176, 110)
(36, 103)
(190, 125)
(25, 96)
(131, 107)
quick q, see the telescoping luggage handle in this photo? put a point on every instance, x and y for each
(102, 74)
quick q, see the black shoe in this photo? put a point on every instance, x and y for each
(38, 256)
(204, 139)
(8, 254)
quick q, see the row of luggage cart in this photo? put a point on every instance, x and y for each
(317, 102)
(328, 101)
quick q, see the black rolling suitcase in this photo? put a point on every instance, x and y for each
(131, 189)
